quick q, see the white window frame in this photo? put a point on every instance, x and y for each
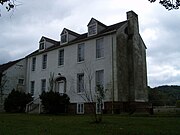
(33, 66)
(43, 85)
(80, 108)
(61, 58)
(80, 52)
(32, 88)
(100, 48)
(21, 81)
(92, 29)
(44, 61)
(42, 45)
(80, 85)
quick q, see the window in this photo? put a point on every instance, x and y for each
(33, 64)
(92, 29)
(44, 61)
(81, 52)
(100, 77)
(99, 48)
(80, 83)
(21, 81)
(80, 108)
(32, 87)
(64, 37)
(99, 107)
(43, 85)
(61, 58)
(42, 45)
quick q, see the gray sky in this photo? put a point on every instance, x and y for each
(21, 30)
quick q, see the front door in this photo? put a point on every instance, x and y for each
(61, 87)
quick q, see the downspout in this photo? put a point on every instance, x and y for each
(112, 75)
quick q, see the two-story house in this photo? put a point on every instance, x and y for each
(112, 56)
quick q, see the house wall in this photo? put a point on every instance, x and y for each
(12, 76)
(71, 68)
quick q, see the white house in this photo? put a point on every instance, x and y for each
(113, 56)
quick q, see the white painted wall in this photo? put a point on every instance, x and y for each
(71, 67)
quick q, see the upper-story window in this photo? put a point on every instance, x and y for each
(21, 81)
(81, 52)
(64, 37)
(44, 61)
(92, 29)
(61, 58)
(33, 64)
(42, 44)
(99, 48)
(80, 83)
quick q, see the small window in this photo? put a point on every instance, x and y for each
(42, 45)
(21, 81)
(43, 85)
(61, 58)
(80, 83)
(80, 108)
(92, 29)
(32, 88)
(33, 64)
(99, 48)
(64, 37)
(44, 61)
(81, 52)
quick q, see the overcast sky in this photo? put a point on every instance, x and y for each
(21, 30)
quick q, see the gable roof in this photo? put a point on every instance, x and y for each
(5, 66)
(98, 22)
(70, 32)
(48, 40)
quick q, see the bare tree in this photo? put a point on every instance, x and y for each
(3, 81)
(51, 81)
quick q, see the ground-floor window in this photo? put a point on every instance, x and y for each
(80, 108)
(99, 107)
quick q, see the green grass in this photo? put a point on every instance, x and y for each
(24, 124)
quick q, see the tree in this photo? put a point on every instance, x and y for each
(168, 4)
(10, 4)
(16, 101)
(3, 80)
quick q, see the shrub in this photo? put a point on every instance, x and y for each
(16, 101)
(53, 102)
(178, 103)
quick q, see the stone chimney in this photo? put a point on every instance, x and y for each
(133, 25)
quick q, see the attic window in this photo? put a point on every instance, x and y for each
(64, 37)
(92, 29)
(42, 45)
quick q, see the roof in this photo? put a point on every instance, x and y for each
(5, 66)
(48, 40)
(83, 37)
(98, 22)
(71, 32)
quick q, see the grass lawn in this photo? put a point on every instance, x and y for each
(26, 124)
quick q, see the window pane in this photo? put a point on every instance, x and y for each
(100, 77)
(32, 87)
(61, 58)
(80, 81)
(44, 62)
(64, 38)
(80, 52)
(99, 48)
(43, 85)
(92, 29)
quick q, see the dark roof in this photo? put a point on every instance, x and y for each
(5, 66)
(49, 40)
(70, 32)
(100, 23)
(83, 37)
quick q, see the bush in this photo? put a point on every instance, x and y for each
(53, 102)
(178, 103)
(16, 101)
